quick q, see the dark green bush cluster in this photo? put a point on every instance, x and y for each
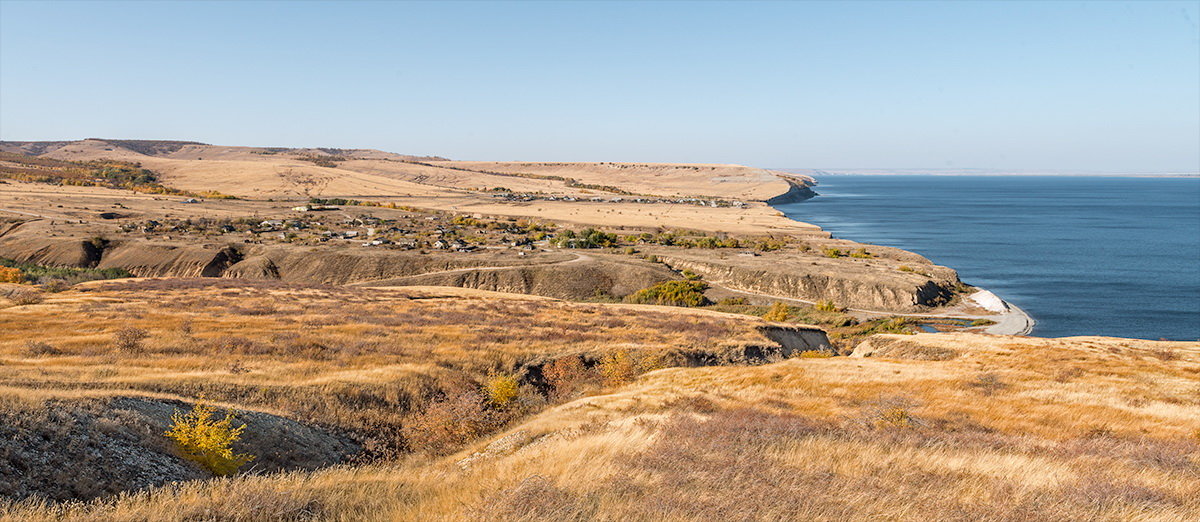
(321, 161)
(685, 240)
(124, 173)
(673, 293)
(586, 238)
(46, 274)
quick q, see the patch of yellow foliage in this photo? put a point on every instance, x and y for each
(10, 275)
(778, 312)
(502, 389)
(207, 440)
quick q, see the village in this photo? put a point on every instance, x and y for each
(421, 229)
(507, 195)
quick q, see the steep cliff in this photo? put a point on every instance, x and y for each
(799, 189)
(854, 283)
(561, 275)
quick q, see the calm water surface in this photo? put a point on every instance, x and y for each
(1082, 255)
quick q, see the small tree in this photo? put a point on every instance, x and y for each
(502, 389)
(673, 293)
(778, 312)
(208, 441)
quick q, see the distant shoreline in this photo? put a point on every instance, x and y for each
(989, 173)
(1013, 321)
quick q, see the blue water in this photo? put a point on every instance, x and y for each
(1082, 255)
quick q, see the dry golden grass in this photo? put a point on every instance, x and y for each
(358, 359)
(993, 428)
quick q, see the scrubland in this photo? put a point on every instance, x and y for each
(425, 403)
(944, 427)
(359, 359)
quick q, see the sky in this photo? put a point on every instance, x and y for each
(1073, 86)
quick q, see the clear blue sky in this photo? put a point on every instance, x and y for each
(1104, 86)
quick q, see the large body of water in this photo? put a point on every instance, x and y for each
(1082, 255)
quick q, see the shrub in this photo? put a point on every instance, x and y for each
(56, 286)
(826, 305)
(778, 312)
(891, 412)
(38, 273)
(586, 238)
(448, 423)
(566, 376)
(502, 389)
(832, 252)
(39, 348)
(861, 254)
(129, 339)
(814, 354)
(618, 368)
(1165, 354)
(26, 297)
(987, 383)
(673, 293)
(10, 275)
(906, 268)
(770, 244)
(208, 441)
(1069, 374)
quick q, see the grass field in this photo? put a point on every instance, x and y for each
(943, 427)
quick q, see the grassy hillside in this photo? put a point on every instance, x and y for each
(93, 173)
(994, 429)
(386, 371)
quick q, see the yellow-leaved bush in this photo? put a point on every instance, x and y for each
(208, 440)
(778, 312)
(502, 389)
(10, 275)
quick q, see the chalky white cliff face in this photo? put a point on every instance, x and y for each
(989, 301)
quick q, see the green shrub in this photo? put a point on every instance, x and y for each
(814, 354)
(586, 238)
(770, 244)
(673, 293)
(899, 325)
(832, 252)
(45, 274)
